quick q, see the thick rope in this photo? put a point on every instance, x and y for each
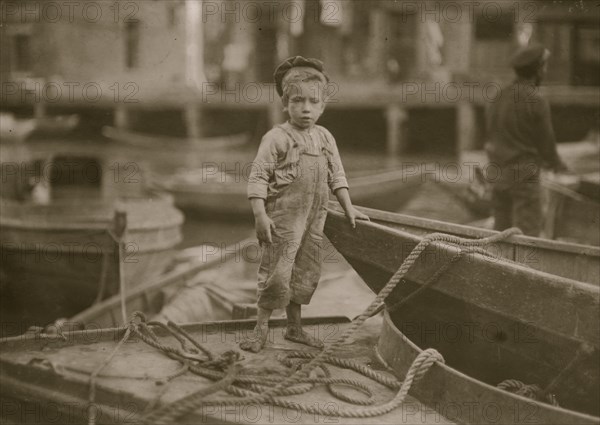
(419, 367)
(531, 391)
(265, 389)
(389, 287)
(94, 375)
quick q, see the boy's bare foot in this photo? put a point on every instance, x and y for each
(296, 334)
(257, 340)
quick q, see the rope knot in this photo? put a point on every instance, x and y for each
(224, 360)
(434, 355)
(137, 315)
(423, 362)
(531, 391)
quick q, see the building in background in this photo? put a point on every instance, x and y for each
(410, 76)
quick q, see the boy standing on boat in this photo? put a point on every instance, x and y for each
(521, 141)
(296, 166)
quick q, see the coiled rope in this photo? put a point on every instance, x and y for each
(270, 389)
(531, 391)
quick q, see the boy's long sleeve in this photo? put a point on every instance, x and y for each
(337, 176)
(262, 168)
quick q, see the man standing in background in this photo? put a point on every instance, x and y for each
(520, 141)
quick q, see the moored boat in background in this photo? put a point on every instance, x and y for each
(570, 211)
(59, 255)
(163, 142)
(208, 191)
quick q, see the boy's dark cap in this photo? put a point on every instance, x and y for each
(531, 55)
(293, 62)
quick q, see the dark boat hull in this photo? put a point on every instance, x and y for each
(55, 264)
(514, 322)
(570, 260)
(573, 218)
(460, 397)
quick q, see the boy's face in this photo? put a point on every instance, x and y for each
(305, 103)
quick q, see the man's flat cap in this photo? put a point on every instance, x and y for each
(530, 55)
(296, 62)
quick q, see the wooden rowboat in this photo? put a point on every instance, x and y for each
(217, 273)
(570, 260)
(491, 319)
(56, 125)
(58, 255)
(208, 191)
(216, 284)
(51, 375)
(571, 203)
(571, 214)
(158, 142)
(61, 258)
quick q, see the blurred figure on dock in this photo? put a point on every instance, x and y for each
(520, 141)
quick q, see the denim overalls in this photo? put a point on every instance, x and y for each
(290, 267)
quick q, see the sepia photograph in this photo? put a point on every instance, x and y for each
(300, 212)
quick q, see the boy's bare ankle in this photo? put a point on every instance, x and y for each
(297, 334)
(294, 328)
(257, 340)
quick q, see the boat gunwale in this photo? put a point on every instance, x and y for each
(561, 281)
(73, 337)
(176, 220)
(170, 217)
(206, 144)
(388, 322)
(556, 283)
(230, 188)
(472, 232)
(157, 284)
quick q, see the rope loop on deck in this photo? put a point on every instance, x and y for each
(272, 388)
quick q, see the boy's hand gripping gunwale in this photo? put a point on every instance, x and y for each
(352, 214)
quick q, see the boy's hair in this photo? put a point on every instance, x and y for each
(294, 82)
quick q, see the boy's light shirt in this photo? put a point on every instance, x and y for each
(280, 147)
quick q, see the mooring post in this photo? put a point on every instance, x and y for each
(118, 231)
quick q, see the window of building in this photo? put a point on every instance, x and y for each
(172, 15)
(76, 172)
(22, 52)
(132, 43)
(574, 47)
(586, 56)
(494, 26)
(400, 43)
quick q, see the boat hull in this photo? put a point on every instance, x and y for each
(462, 399)
(54, 267)
(573, 218)
(569, 260)
(523, 324)
(58, 385)
(385, 190)
(163, 142)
